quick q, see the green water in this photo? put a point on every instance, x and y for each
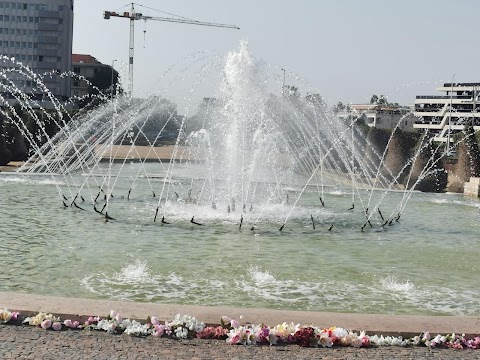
(428, 263)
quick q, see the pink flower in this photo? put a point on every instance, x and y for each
(75, 325)
(46, 324)
(225, 320)
(57, 326)
(234, 323)
(118, 318)
(68, 323)
(235, 339)
(365, 341)
(90, 319)
(159, 330)
(154, 320)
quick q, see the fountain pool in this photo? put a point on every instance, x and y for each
(427, 264)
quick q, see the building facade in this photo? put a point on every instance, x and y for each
(447, 114)
(380, 116)
(37, 34)
(86, 67)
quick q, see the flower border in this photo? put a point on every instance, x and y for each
(230, 330)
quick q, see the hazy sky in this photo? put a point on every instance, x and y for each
(345, 49)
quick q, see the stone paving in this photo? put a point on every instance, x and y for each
(26, 342)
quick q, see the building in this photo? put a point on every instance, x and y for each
(381, 116)
(37, 34)
(447, 114)
(86, 69)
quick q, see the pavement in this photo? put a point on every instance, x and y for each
(25, 342)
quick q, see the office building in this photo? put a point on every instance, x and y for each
(38, 34)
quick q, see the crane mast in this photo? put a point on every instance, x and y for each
(132, 15)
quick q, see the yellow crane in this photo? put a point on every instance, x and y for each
(132, 15)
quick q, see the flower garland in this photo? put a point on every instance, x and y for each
(230, 330)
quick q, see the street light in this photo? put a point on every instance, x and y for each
(111, 83)
(283, 87)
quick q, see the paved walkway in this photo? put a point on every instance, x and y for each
(21, 342)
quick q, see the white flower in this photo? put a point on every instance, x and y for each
(339, 332)
(135, 328)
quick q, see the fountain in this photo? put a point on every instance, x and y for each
(263, 198)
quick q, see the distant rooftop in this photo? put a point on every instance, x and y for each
(86, 59)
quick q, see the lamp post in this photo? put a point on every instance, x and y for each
(111, 82)
(283, 86)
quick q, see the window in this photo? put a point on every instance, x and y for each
(5, 44)
(1, 17)
(17, 44)
(59, 59)
(29, 45)
(24, 31)
(18, 31)
(36, 20)
(30, 19)
(5, 31)
(76, 82)
(1, 4)
(24, 18)
(24, 45)
(12, 44)
(7, 5)
(40, 57)
(76, 70)
(60, 21)
(7, 18)
(19, 19)
(1, 30)
(60, 7)
(25, 6)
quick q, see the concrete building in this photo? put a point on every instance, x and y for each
(38, 34)
(447, 114)
(380, 116)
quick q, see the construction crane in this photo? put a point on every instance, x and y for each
(132, 15)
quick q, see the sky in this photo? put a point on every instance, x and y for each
(346, 50)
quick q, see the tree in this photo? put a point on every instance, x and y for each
(339, 107)
(436, 178)
(379, 100)
(103, 85)
(292, 92)
(316, 100)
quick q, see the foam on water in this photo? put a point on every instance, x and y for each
(471, 202)
(30, 180)
(392, 283)
(256, 286)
